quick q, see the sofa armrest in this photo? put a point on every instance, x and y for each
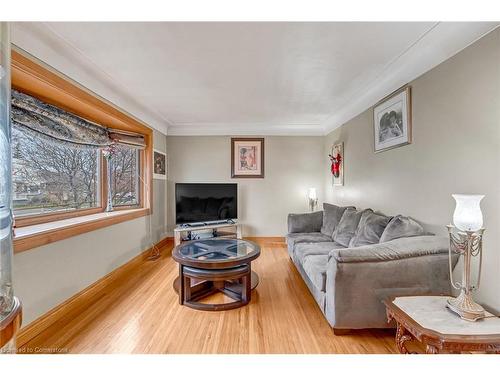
(305, 223)
(397, 249)
(358, 279)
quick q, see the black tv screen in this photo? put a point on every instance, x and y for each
(196, 203)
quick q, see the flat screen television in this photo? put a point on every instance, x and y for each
(201, 203)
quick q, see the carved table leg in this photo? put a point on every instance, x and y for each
(431, 349)
(401, 339)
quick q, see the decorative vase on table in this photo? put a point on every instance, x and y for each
(10, 308)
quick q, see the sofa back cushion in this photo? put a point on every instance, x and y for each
(370, 229)
(347, 226)
(305, 223)
(331, 218)
(402, 226)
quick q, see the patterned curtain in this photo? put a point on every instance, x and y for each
(56, 125)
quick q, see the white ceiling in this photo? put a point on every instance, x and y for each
(244, 78)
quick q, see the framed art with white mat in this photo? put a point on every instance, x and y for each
(392, 120)
(247, 157)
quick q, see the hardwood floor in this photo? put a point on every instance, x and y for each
(139, 313)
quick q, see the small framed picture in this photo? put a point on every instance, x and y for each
(392, 120)
(247, 157)
(337, 164)
(159, 165)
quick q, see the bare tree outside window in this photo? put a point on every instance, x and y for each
(51, 177)
(125, 178)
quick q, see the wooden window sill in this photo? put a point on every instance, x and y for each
(42, 234)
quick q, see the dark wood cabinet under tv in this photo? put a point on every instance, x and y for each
(225, 230)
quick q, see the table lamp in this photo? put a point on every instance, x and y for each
(313, 198)
(466, 239)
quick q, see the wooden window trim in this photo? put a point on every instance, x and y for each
(27, 220)
(35, 78)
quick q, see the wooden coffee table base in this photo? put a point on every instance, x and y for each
(194, 284)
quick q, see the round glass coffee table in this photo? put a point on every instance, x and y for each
(215, 265)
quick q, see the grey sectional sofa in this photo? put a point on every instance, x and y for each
(352, 259)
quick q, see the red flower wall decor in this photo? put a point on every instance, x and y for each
(336, 160)
(337, 164)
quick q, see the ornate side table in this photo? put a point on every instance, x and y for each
(427, 320)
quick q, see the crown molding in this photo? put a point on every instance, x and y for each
(40, 41)
(195, 129)
(441, 42)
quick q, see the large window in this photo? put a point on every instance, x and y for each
(49, 177)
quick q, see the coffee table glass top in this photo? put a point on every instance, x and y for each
(217, 250)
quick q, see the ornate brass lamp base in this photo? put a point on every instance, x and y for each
(464, 306)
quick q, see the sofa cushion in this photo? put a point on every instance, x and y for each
(315, 268)
(303, 250)
(401, 226)
(292, 239)
(398, 249)
(370, 228)
(331, 217)
(305, 223)
(295, 238)
(347, 226)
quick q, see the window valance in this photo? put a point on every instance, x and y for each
(127, 139)
(55, 124)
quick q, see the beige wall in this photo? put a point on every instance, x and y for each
(292, 165)
(455, 149)
(48, 275)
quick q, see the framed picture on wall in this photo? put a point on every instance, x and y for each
(247, 157)
(159, 165)
(337, 164)
(392, 120)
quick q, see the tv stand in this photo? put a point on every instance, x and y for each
(205, 225)
(225, 228)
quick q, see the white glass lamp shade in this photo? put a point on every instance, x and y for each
(312, 194)
(468, 215)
